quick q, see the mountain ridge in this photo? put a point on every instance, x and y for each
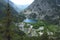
(47, 10)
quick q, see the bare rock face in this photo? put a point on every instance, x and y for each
(45, 9)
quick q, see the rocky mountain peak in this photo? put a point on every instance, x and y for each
(46, 9)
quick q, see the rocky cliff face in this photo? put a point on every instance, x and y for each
(45, 9)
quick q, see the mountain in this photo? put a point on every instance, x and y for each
(47, 10)
(14, 13)
(18, 8)
(3, 6)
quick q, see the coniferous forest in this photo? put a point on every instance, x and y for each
(29, 19)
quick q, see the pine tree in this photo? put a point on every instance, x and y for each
(8, 22)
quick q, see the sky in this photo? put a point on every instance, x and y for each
(22, 2)
(20, 5)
